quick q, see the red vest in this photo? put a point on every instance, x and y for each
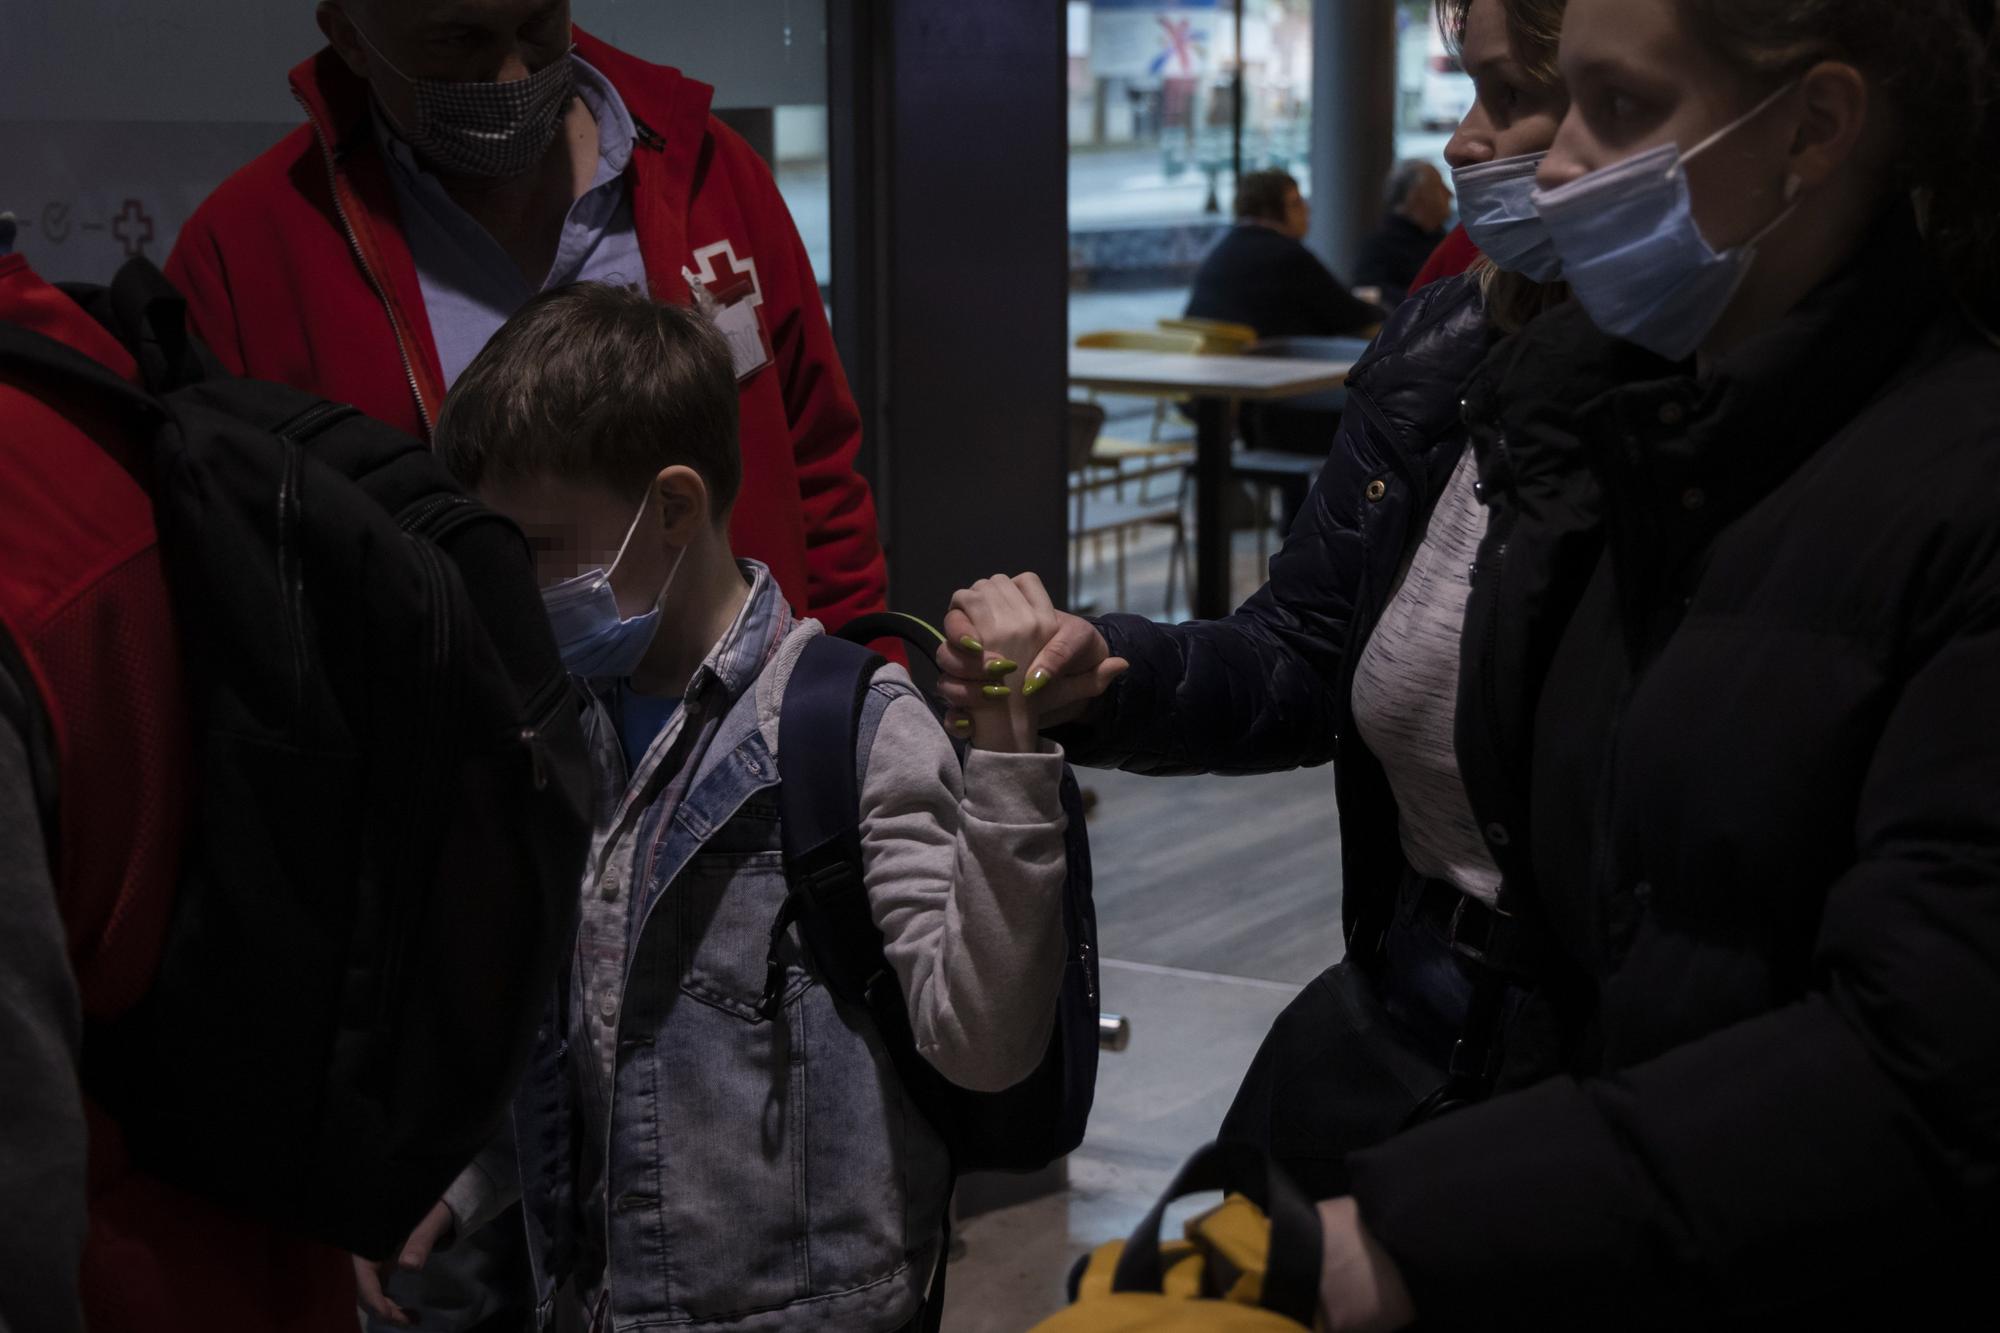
(83, 597)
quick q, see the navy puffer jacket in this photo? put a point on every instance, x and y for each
(1268, 688)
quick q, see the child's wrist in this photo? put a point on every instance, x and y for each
(1011, 728)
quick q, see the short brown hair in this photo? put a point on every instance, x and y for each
(598, 383)
(1261, 194)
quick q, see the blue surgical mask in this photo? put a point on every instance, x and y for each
(1494, 204)
(596, 642)
(1633, 254)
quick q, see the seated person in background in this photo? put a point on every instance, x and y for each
(1262, 275)
(1419, 207)
(590, 404)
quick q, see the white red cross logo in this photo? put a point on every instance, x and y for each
(712, 277)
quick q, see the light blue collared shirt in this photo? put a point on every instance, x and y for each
(470, 286)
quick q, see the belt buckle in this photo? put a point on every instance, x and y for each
(1477, 953)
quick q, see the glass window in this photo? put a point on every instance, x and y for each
(1154, 137)
(766, 60)
(1433, 91)
(107, 147)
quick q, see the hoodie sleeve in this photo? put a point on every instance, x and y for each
(965, 873)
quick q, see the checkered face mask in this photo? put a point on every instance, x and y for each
(490, 130)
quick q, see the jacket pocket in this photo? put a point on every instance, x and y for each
(727, 901)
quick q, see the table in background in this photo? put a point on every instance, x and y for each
(1216, 384)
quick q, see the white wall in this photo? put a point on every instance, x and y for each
(117, 116)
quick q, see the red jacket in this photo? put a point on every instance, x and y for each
(84, 599)
(297, 270)
(1454, 255)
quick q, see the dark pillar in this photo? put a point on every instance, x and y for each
(947, 126)
(1353, 123)
(950, 282)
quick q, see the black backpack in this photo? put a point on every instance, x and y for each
(390, 805)
(1023, 1128)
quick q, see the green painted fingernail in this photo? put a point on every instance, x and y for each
(961, 725)
(970, 644)
(995, 691)
(1001, 666)
(1036, 680)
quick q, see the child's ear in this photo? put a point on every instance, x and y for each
(683, 504)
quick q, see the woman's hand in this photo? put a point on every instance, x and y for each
(991, 629)
(1360, 1288)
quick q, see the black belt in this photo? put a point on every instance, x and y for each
(1481, 935)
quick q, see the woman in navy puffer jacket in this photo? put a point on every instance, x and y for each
(1349, 655)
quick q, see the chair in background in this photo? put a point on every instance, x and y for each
(1286, 444)
(1094, 515)
(1142, 460)
(1219, 336)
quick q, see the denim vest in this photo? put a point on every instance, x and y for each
(761, 1176)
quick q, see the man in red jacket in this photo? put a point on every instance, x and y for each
(94, 767)
(461, 157)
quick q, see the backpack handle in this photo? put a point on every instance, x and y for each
(1292, 1273)
(921, 635)
(146, 313)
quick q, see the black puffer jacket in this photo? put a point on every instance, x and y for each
(1758, 800)
(1268, 688)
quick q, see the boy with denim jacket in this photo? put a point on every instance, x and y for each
(681, 1158)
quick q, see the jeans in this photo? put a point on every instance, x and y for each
(1351, 1059)
(1422, 983)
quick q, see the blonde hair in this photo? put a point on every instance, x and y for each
(1534, 27)
(1534, 31)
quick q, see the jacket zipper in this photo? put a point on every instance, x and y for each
(291, 581)
(354, 244)
(421, 518)
(544, 706)
(434, 699)
(315, 420)
(295, 434)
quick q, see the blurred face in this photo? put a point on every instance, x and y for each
(1298, 215)
(1638, 78)
(1515, 113)
(574, 528)
(455, 41)
(1429, 203)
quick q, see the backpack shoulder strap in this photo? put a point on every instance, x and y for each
(820, 718)
(22, 710)
(59, 364)
(68, 372)
(819, 816)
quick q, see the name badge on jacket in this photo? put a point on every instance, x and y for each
(740, 319)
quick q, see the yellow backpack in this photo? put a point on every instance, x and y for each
(1236, 1272)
